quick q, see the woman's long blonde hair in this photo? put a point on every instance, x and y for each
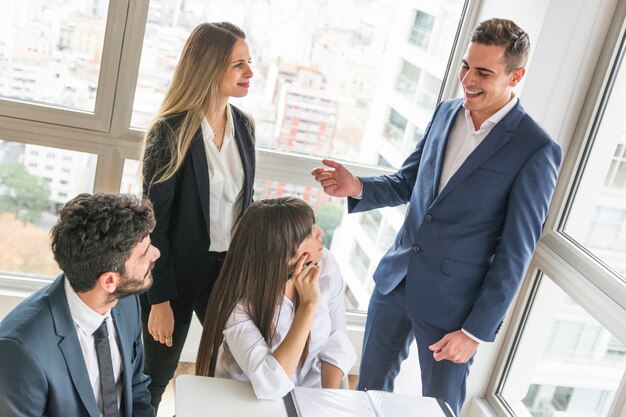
(194, 86)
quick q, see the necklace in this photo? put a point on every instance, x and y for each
(218, 133)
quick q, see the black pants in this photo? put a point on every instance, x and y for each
(161, 361)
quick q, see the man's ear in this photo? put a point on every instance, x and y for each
(108, 281)
(517, 75)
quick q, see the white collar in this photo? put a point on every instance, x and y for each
(85, 318)
(494, 118)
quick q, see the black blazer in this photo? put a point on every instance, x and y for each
(181, 207)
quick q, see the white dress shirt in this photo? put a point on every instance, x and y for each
(464, 139)
(244, 355)
(86, 321)
(226, 183)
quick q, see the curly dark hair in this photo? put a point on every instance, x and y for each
(503, 32)
(96, 233)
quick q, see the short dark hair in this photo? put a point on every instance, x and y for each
(503, 32)
(96, 233)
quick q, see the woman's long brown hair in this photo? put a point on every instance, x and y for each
(254, 272)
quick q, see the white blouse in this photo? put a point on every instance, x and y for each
(226, 183)
(244, 354)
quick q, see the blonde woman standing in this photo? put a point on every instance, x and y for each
(198, 170)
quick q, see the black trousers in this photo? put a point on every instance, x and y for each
(161, 361)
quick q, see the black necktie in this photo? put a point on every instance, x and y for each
(107, 379)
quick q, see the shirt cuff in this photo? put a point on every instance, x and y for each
(338, 351)
(471, 336)
(360, 196)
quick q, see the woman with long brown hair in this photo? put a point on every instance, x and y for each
(276, 316)
(198, 170)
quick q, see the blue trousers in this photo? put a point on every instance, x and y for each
(389, 331)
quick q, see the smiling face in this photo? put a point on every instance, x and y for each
(312, 245)
(235, 80)
(487, 87)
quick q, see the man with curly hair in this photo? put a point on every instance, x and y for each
(74, 347)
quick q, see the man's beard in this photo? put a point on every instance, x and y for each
(131, 286)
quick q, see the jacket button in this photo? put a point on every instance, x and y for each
(416, 248)
(428, 217)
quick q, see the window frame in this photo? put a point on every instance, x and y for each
(584, 278)
(100, 118)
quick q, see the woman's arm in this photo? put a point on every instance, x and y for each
(331, 375)
(306, 283)
(161, 318)
(271, 372)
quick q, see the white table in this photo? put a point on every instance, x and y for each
(198, 396)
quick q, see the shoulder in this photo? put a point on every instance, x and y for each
(30, 320)
(237, 316)
(128, 305)
(162, 130)
(244, 118)
(330, 278)
(535, 135)
(448, 105)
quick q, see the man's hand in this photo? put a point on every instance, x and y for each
(337, 181)
(456, 347)
(161, 323)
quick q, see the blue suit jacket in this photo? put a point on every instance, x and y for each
(42, 370)
(464, 251)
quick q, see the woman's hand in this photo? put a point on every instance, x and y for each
(306, 282)
(161, 323)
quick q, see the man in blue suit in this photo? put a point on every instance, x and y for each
(478, 186)
(74, 347)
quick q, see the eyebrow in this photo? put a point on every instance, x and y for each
(479, 68)
(241, 60)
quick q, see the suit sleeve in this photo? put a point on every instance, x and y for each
(162, 196)
(141, 395)
(395, 189)
(527, 210)
(23, 384)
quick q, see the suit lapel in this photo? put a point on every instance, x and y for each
(201, 171)
(442, 145)
(241, 133)
(125, 352)
(499, 136)
(70, 346)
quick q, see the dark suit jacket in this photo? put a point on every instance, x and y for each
(42, 370)
(181, 207)
(464, 251)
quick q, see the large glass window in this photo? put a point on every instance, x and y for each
(325, 77)
(395, 127)
(317, 66)
(50, 51)
(408, 80)
(597, 217)
(421, 29)
(130, 177)
(34, 182)
(562, 365)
